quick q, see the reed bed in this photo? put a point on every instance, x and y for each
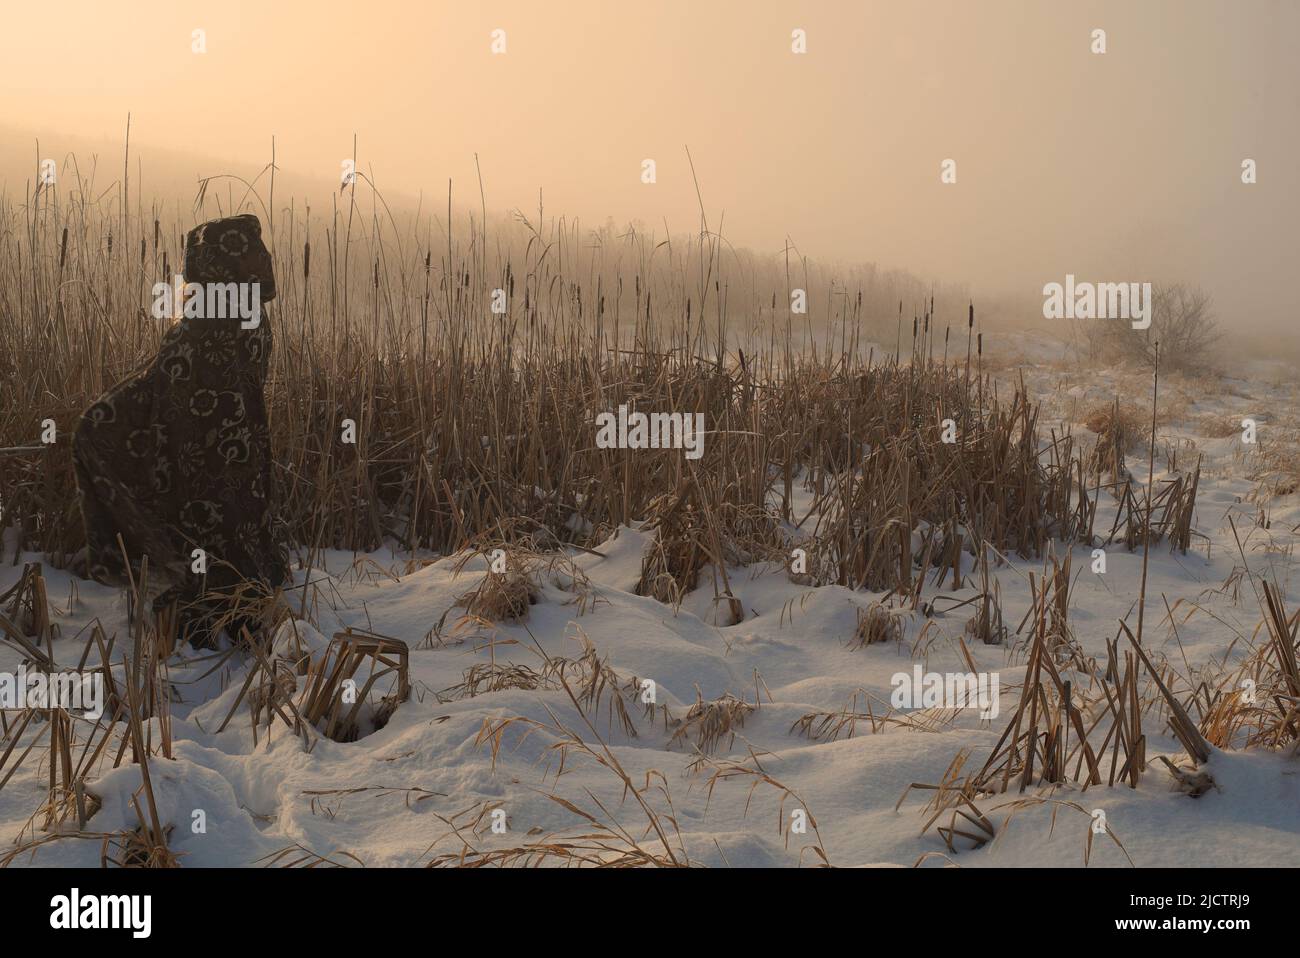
(471, 424)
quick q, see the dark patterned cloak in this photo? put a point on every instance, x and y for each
(178, 456)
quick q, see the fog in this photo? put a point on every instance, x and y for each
(1122, 166)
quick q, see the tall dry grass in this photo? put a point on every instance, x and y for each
(472, 425)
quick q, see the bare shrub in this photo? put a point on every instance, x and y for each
(1182, 322)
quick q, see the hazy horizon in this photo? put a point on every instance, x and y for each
(1115, 167)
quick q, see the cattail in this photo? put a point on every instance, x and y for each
(63, 248)
(970, 320)
(306, 260)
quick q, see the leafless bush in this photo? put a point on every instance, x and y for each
(1182, 322)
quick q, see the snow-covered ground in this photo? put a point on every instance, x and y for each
(389, 798)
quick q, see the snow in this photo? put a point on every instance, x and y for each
(390, 798)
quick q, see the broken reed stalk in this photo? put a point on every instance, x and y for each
(1047, 731)
(332, 700)
(1183, 728)
(1258, 704)
(1151, 471)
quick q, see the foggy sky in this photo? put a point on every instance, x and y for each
(1115, 167)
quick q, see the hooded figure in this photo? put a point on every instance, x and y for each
(177, 457)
